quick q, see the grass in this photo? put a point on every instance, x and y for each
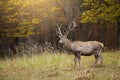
(60, 67)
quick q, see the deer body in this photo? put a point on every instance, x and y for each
(80, 48)
(85, 48)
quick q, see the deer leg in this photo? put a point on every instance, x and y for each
(75, 61)
(96, 59)
(79, 57)
(101, 59)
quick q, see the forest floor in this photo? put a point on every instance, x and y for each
(60, 67)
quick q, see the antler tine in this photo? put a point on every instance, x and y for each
(71, 27)
(74, 24)
(60, 25)
(58, 30)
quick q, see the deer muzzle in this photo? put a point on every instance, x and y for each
(60, 41)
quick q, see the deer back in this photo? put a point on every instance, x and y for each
(86, 47)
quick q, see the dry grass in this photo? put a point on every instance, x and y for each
(60, 67)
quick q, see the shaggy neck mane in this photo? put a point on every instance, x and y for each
(68, 44)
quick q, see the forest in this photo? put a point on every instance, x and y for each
(31, 33)
(28, 23)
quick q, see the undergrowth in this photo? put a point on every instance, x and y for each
(60, 67)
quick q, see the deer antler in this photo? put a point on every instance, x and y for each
(70, 27)
(58, 30)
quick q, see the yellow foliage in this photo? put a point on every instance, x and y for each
(54, 9)
(35, 21)
(27, 3)
(1, 3)
(45, 14)
(9, 9)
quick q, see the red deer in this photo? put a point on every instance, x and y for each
(80, 48)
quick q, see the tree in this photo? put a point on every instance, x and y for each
(100, 11)
(105, 15)
(12, 23)
(23, 18)
(69, 8)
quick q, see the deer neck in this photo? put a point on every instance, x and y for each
(68, 44)
(68, 41)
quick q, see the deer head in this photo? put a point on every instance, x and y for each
(63, 36)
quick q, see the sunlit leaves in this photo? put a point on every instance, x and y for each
(45, 14)
(95, 10)
(54, 9)
(13, 18)
(23, 13)
(24, 22)
(1, 3)
(27, 3)
(20, 17)
(35, 21)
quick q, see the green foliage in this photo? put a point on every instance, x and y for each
(100, 11)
